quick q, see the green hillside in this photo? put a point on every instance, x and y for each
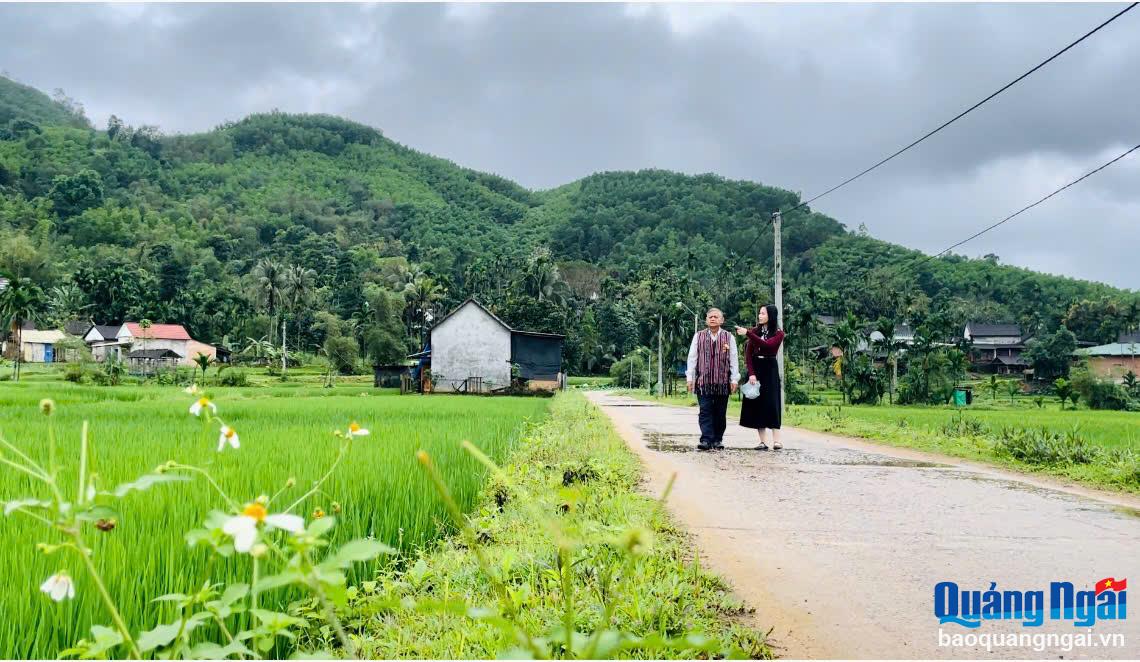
(353, 237)
(20, 102)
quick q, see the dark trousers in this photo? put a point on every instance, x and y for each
(712, 418)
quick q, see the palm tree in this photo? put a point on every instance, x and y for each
(804, 324)
(422, 294)
(144, 324)
(1012, 387)
(846, 338)
(891, 345)
(203, 361)
(993, 385)
(21, 301)
(297, 290)
(1130, 382)
(268, 280)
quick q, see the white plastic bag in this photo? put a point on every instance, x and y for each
(750, 390)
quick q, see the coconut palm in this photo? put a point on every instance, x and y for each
(892, 346)
(423, 294)
(21, 301)
(268, 280)
(845, 336)
(297, 291)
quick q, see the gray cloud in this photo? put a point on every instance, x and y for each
(794, 96)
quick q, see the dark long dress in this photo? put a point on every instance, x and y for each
(763, 411)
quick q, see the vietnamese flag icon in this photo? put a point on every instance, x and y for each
(1111, 584)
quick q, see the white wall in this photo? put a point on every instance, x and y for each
(159, 343)
(470, 343)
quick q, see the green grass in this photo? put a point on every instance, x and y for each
(286, 431)
(1117, 433)
(664, 592)
(589, 381)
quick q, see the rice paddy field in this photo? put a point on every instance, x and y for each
(285, 431)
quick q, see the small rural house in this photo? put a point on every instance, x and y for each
(158, 336)
(473, 351)
(103, 340)
(40, 346)
(996, 348)
(149, 361)
(1112, 361)
(124, 341)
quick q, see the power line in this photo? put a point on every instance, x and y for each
(968, 110)
(1025, 208)
(954, 119)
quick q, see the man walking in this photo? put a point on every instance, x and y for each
(712, 373)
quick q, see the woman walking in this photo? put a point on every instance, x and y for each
(763, 412)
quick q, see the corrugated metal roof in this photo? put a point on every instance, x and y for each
(991, 330)
(43, 337)
(1111, 349)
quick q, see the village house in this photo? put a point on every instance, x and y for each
(1112, 361)
(473, 351)
(40, 346)
(103, 341)
(996, 348)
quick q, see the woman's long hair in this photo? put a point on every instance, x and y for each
(773, 320)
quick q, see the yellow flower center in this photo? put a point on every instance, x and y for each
(230, 433)
(354, 428)
(256, 511)
(202, 402)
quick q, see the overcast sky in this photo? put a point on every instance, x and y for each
(796, 96)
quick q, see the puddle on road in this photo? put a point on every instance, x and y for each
(667, 442)
(1125, 510)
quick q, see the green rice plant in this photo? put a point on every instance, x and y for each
(286, 448)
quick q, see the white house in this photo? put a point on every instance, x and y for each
(103, 339)
(472, 350)
(158, 336)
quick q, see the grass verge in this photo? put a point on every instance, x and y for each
(570, 540)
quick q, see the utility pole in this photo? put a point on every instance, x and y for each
(632, 360)
(778, 267)
(283, 353)
(660, 375)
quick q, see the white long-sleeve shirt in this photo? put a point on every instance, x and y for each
(691, 368)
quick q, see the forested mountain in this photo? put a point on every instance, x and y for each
(344, 233)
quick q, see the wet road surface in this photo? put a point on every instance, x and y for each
(838, 543)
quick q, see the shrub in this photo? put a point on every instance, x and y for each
(1106, 395)
(1043, 447)
(76, 373)
(620, 371)
(233, 378)
(1126, 465)
(960, 426)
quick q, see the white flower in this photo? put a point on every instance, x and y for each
(354, 430)
(243, 527)
(191, 389)
(200, 404)
(228, 436)
(59, 586)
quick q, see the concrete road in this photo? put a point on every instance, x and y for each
(839, 543)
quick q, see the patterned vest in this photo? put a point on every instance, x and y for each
(714, 363)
